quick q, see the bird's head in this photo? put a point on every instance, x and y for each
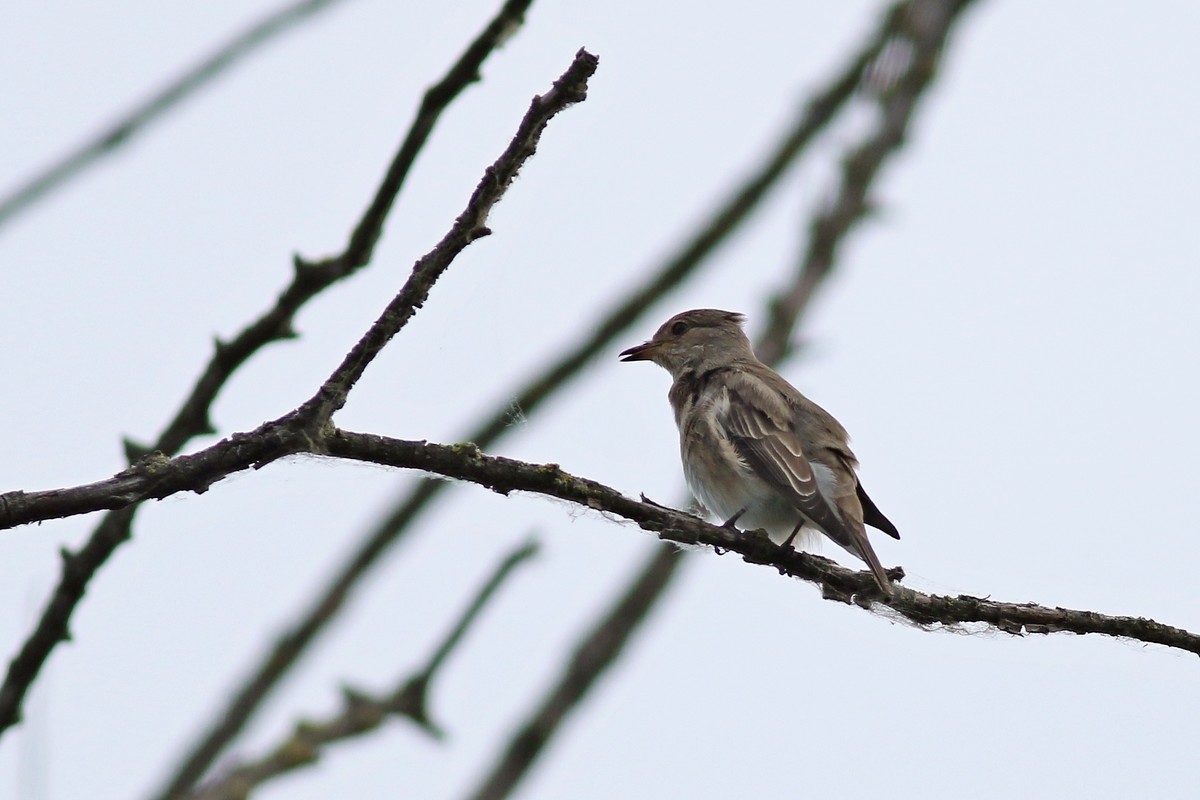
(695, 340)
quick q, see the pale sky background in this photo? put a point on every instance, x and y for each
(1012, 342)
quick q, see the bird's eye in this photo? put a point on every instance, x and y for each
(678, 328)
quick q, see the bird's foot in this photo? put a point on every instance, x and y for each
(787, 543)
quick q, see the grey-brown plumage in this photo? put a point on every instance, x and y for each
(754, 449)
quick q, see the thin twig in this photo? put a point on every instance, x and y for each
(361, 712)
(569, 89)
(136, 120)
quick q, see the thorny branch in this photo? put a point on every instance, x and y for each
(150, 476)
(361, 712)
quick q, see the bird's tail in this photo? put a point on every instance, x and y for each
(867, 554)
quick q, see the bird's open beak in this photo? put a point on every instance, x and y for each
(643, 352)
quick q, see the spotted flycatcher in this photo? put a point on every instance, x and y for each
(755, 449)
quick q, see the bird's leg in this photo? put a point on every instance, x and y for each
(788, 542)
(731, 523)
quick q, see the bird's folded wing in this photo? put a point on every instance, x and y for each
(773, 451)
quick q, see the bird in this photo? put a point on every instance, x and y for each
(754, 448)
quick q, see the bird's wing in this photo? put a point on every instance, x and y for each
(759, 426)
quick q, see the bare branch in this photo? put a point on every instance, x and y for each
(157, 476)
(902, 73)
(569, 89)
(591, 658)
(437, 98)
(136, 120)
(504, 475)
(154, 477)
(361, 713)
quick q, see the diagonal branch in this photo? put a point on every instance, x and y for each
(360, 712)
(136, 120)
(569, 89)
(437, 98)
(157, 476)
(902, 73)
(591, 658)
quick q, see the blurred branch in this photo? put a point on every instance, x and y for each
(294, 432)
(591, 658)
(137, 119)
(897, 87)
(898, 79)
(360, 712)
(727, 216)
